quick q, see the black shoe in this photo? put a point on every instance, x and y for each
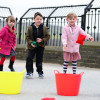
(41, 75)
(1, 67)
(11, 68)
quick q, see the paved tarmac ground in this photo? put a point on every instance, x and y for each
(36, 89)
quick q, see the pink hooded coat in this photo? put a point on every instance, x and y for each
(69, 39)
(7, 40)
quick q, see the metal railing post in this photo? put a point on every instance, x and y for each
(20, 28)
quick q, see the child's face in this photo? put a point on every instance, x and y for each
(71, 21)
(38, 20)
(10, 24)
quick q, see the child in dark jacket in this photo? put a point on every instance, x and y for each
(37, 33)
(8, 43)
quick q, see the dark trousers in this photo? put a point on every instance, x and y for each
(39, 59)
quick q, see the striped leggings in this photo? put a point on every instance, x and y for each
(65, 65)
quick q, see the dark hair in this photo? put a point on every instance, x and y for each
(37, 14)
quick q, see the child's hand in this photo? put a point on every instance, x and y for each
(33, 45)
(64, 47)
(39, 40)
(14, 47)
(91, 39)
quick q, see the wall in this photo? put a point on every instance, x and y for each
(90, 53)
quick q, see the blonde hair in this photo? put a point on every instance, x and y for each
(70, 15)
(12, 19)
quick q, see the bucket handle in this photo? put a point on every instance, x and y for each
(81, 73)
(23, 70)
(56, 71)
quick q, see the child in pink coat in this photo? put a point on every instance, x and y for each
(69, 37)
(8, 43)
